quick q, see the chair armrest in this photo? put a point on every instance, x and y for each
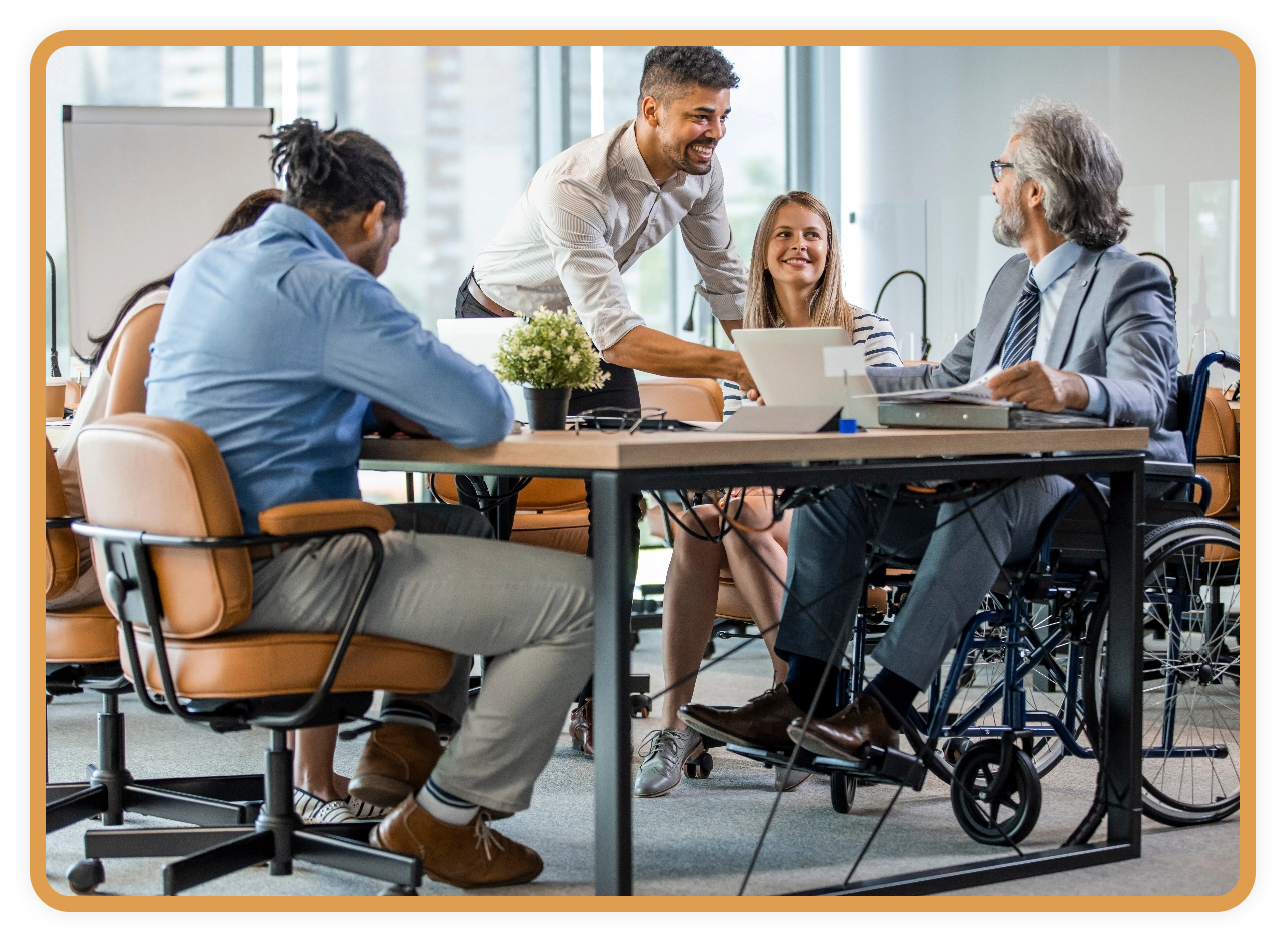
(1168, 469)
(306, 517)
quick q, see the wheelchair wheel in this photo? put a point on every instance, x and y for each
(1044, 686)
(1191, 672)
(843, 788)
(991, 811)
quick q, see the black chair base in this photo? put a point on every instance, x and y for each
(277, 837)
(111, 790)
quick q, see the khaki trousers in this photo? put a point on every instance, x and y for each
(529, 609)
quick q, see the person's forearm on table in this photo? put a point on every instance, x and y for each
(655, 352)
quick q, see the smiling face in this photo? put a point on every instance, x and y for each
(690, 126)
(797, 248)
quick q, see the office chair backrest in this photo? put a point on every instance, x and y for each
(1217, 438)
(685, 399)
(542, 494)
(130, 361)
(1210, 431)
(144, 472)
(62, 558)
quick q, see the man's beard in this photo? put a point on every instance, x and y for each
(1009, 225)
(680, 158)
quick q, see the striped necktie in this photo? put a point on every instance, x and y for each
(1021, 339)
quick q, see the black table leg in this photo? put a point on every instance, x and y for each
(1123, 691)
(613, 846)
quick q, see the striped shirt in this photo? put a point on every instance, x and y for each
(587, 216)
(873, 331)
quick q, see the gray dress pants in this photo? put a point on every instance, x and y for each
(530, 609)
(959, 559)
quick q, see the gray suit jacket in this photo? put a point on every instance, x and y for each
(1116, 323)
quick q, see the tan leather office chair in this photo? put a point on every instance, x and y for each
(551, 512)
(688, 399)
(1217, 442)
(174, 565)
(80, 654)
(693, 400)
(130, 361)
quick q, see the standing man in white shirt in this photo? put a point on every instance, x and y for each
(591, 212)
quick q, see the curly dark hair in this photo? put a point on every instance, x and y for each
(668, 70)
(336, 173)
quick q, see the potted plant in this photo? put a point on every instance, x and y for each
(550, 354)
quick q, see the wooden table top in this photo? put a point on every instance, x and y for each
(616, 451)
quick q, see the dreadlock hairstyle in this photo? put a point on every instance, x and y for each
(668, 70)
(336, 173)
(828, 308)
(244, 216)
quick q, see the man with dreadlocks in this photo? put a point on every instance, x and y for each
(276, 341)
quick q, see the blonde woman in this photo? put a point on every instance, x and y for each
(795, 277)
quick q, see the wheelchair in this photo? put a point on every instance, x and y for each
(1022, 690)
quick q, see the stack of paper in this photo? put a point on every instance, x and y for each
(973, 392)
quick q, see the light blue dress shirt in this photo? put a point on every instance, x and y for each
(1053, 274)
(276, 344)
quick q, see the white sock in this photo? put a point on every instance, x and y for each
(446, 807)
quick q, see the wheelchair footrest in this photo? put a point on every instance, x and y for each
(876, 766)
(891, 766)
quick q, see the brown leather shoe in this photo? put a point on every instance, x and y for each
(395, 762)
(760, 724)
(581, 727)
(846, 734)
(466, 855)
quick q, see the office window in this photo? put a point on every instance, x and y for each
(919, 126)
(459, 120)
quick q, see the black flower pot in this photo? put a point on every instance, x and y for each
(547, 408)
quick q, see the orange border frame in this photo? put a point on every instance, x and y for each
(1226, 40)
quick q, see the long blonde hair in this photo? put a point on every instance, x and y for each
(828, 307)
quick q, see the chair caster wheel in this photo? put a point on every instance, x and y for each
(578, 745)
(842, 789)
(85, 876)
(640, 705)
(700, 767)
(709, 651)
(398, 889)
(954, 748)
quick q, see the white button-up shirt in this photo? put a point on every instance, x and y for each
(1053, 277)
(587, 216)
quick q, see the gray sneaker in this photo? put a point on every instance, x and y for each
(662, 769)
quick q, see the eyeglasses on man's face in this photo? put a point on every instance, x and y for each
(996, 167)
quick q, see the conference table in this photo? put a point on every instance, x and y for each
(621, 464)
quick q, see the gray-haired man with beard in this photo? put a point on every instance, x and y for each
(1076, 323)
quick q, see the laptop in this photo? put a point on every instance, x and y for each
(477, 339)
(788, 367)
